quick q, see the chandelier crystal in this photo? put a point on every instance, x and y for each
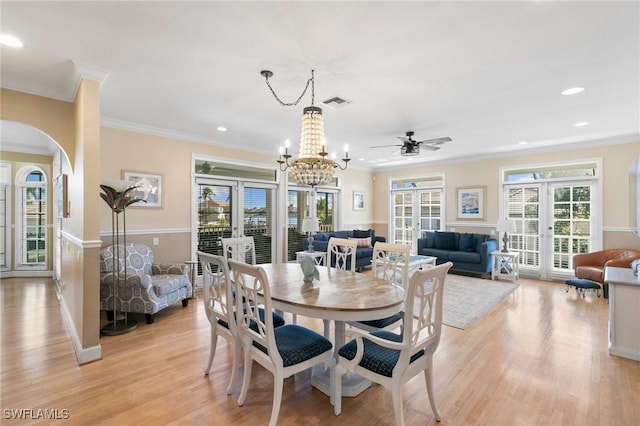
(312, 167)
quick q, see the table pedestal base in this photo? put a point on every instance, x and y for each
(352, 384)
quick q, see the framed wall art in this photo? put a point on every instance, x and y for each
(471, 202)
(358, 200)
(149, 188)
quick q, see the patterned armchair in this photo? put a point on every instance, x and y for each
(149, 287)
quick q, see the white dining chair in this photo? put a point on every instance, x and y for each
(391, 263)
(391, 359)
(283, 351)
(241, 249)
(219, 307)
(341, 254)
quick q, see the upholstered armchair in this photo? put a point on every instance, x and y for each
(590, 266)
(149, 287)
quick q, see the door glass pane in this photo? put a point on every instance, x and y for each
(325, 210)
(34, 221)
(297, 209)
(403, 218)
(214, 217)
(3, 226)
(258, 219)
(429, 211)
(571, 223)
(523, 207)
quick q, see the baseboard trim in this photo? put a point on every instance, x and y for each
(83, 355)
(625, 353)
(25, 274)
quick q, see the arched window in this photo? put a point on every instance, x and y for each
(31, 218)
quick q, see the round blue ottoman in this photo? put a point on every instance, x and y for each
(582, 286)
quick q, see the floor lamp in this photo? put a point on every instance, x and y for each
(116, 195)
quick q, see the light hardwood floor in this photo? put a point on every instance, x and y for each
(539, 358)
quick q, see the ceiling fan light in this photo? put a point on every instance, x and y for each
(409, 150)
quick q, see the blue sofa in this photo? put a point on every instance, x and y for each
(364, 252)
(468, 252)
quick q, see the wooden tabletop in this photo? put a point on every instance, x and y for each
(339, 295)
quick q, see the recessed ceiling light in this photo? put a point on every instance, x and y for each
(523, 143)
(573, 91)
(360, 159)
(9, 40)
(222, 129)
(582, 124)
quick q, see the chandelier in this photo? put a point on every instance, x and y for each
(312, 167)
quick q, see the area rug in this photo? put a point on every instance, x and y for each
(467, 299)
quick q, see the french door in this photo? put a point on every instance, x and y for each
(236, 208)
(300, 204)
(554, 221)
(415, 211)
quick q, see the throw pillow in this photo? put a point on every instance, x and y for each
(358, 233)
(431, 239)
(320, 237)
(480, 238)
(340, 234)
(446, 240)
(363, 242)
(467, 242)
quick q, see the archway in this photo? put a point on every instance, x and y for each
(23, 146)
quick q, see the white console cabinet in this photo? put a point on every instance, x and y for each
(624, 312)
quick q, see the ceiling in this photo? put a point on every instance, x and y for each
(487, 74)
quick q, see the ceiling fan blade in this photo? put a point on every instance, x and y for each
(384, 146)
(430, 147)
(405, 139)
(436, 141)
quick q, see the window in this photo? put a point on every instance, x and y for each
(551, 172)
(31, 247)
(5, 208)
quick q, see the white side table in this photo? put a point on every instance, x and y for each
(319, 257)
(505, 265)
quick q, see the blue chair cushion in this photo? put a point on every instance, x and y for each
(376, 358)
(278, 321)
(297, 344)
(383, 322)
(582, 283)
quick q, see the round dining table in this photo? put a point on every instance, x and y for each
(338, 296)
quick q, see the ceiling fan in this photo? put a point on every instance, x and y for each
(412, 147)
